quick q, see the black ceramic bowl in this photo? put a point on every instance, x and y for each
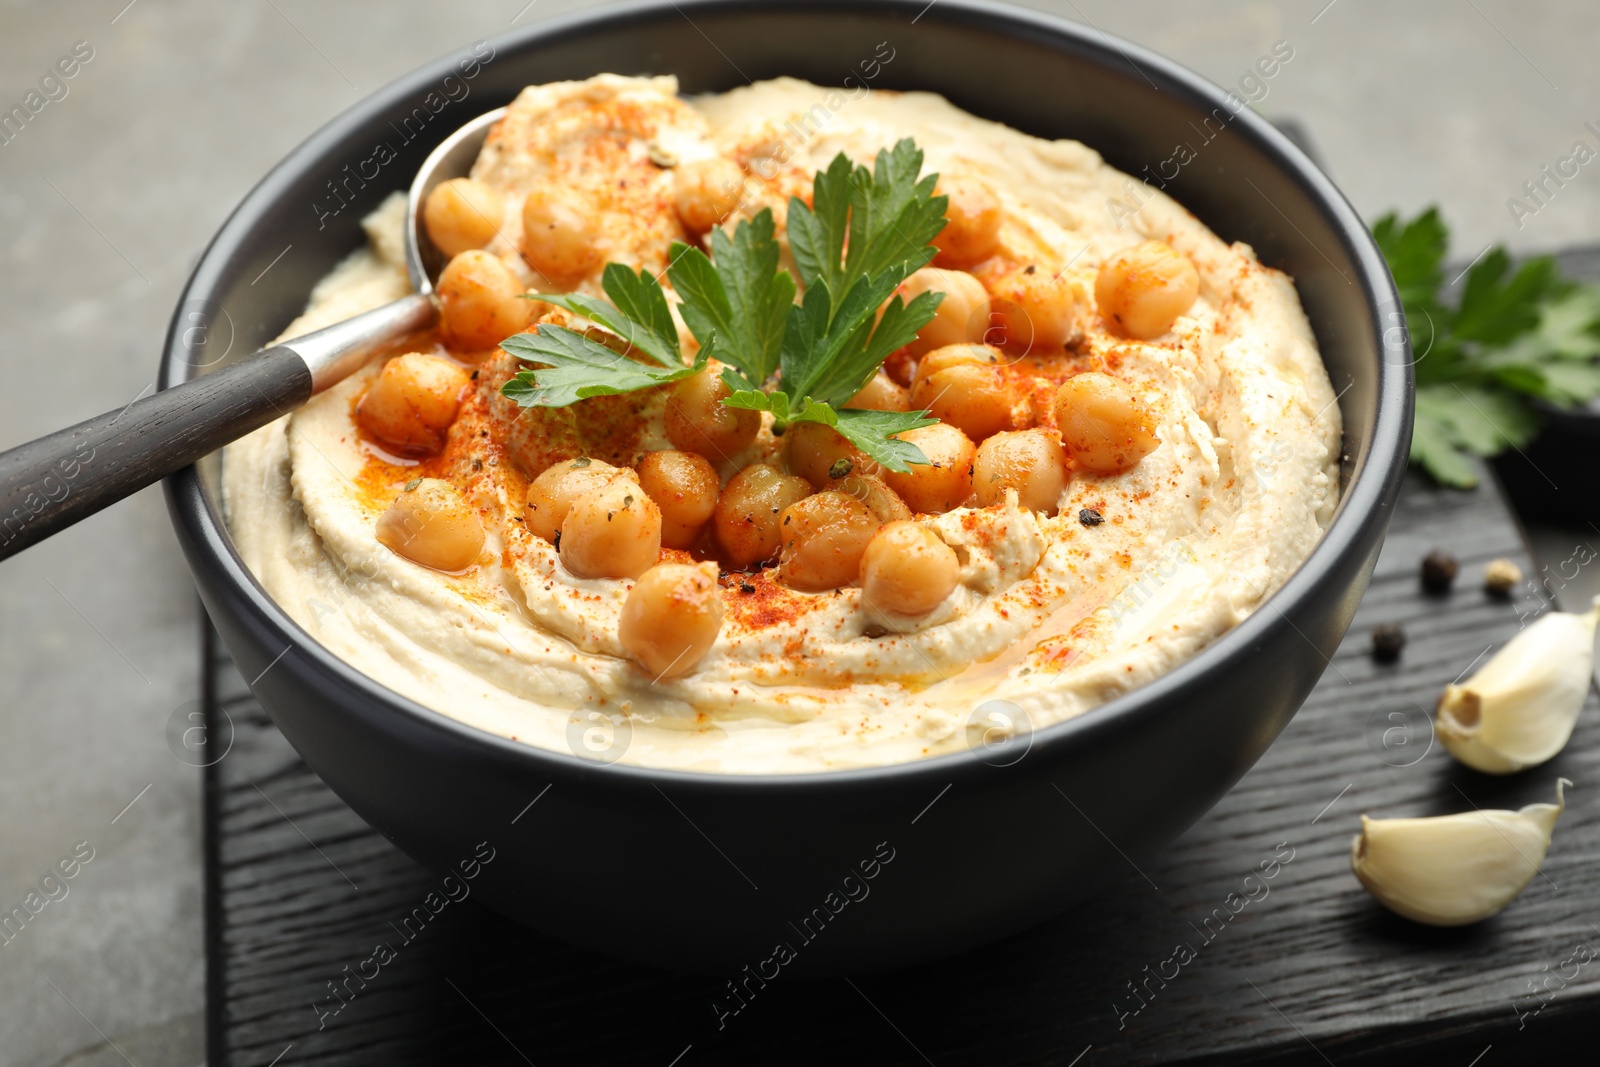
(706, 872)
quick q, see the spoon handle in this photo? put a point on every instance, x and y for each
(49, 484)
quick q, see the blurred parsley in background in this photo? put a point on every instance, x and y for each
(1513, 338)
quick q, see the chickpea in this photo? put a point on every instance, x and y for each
(748, 519)
(899, 366)
(906, 569)
(612, 532)
(823, 539)
(671, 617)
(706, 191)
(462, 214)
(975, 398)
(678, 535)
(972, 227)
(1030, 461)
(552, 494)
(684, 486)
(559, 239)
(697, 421)
(952, 356)
(945, 481)
(1106, 428)
(1033, 308)
(875, 493)
(431, 524)
(963, 314)
(819, 453)
(411, 403)
(881, 393)
(480, 302)
(1144, 289)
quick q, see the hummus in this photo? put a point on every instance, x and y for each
(1052, 614)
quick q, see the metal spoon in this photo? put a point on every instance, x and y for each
(49, 484)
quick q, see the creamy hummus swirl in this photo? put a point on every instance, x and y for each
(1051, 615)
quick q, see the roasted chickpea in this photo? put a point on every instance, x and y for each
(954, 356)
(1106, 428)
(706, 191)
(823, 538)
(480, 302)
(972, 226)
(899, 366)
(671, 617)
(431, 524)
(820, 454)
(1030, 461)
(697, 421)
(875, 493)
(1143, 289)
(1033, 308)
(976, 398)
(881, 393)
(612, 532)
(678, 535)
(684, 486)
(963, 314)
(552, 494)
(907, 570)
(945, 481)
(411, 403)
(559, 239)
(462, 214)
(748, 519)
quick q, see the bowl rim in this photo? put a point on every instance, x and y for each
(1368, 495)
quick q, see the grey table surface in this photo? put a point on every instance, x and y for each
(109, 193)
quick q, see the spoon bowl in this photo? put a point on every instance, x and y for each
(452, 159)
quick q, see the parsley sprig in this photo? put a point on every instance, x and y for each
(863, 234)
(579, 367)
(1512, 339)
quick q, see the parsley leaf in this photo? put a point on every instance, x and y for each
(1515, 337)
(1415, 253)
(889, 214)
(574, 367)
(868, 430)
(742, 297)
(640, 316)
(817, 233)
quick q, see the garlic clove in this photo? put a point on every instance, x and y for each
(1519, 709)
(1450, 870)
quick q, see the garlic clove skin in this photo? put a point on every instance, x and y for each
(1519, 709)
(1451, 870)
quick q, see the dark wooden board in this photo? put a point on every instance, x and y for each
(1311, 972)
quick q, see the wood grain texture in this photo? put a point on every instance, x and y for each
(1311, 972)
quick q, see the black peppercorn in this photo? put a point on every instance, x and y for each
(1090, 517)
(1387, 641)
(1439, 570)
